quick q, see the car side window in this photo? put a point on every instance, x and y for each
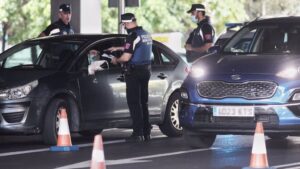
(25, 56)
(154, 56)
(102, 53)
(166, 58)
(161, 57)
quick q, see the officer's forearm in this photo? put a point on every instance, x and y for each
(124, 58)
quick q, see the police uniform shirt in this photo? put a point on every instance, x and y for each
(139, 44)
(58, 28)
(201, 35)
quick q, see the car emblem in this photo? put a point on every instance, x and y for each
(236, 77)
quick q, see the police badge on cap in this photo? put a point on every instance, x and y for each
(65, 8)
(127, 17)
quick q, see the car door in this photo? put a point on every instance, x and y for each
(103, 95)
(163, 65)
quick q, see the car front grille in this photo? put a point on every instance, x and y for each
(13, 117)
(247, 90)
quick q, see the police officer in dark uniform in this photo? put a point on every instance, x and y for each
(201, 38)
(62, 26)
(136, 57)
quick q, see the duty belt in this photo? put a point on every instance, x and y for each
(147, 66)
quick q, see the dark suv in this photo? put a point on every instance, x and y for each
(40, 76)
(254, 77)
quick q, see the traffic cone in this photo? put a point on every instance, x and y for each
(64, 142)
(259, 157)
(98, 161)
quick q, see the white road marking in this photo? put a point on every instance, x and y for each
(293, 168)
(79, 145)
(47, 149)
(293, 165)
(140, 159)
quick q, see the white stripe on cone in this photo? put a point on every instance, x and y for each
(259, 146)
(98, 156)
(63, 127)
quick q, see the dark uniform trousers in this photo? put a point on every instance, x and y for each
(137, 98)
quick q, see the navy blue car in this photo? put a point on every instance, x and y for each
(254, 77)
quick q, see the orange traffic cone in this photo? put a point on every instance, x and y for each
(64, 142)
(259, 157)
(98, 161)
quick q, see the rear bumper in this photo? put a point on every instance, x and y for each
(276, 119)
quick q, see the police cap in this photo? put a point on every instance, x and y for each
(127, 17)
(65, 8)
(197, 7)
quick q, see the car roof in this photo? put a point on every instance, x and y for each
(78, 37)
(276, 19)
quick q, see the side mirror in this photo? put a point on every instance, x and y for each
(214, 49)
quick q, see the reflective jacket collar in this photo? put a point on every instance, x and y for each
(205, 20)
(60, 22)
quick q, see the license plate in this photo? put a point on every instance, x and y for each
(233, 111)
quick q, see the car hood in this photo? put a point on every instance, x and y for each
(247, 64)
(13, 78)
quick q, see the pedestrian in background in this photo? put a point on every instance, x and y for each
(201, 38)
(136, 58)
(62, 26)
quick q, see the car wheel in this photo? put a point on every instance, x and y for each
(195, 140)
(277, 136)
(171, 126)
(90, 133)
(51, 122)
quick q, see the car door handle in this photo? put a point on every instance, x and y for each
(121, 78)
(162, 76)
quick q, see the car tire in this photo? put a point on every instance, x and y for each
(195, 140)
(51, 122)
(277, 136)
(90, 133)
(171, 126)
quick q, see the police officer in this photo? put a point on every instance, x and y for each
(136, 56)
(62, 26)
(201, 38)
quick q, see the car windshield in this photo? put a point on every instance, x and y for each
(42, 55)
(266, 39)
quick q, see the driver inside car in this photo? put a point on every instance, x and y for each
(95, 63)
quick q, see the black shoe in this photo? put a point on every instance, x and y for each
(147, 137)
(134, 138)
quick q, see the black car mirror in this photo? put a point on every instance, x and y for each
(214, 49)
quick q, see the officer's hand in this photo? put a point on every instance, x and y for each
(114, 60)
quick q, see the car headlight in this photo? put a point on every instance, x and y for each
(18, 92)
(288, 73)
(197, 72)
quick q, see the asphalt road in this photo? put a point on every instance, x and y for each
(228, 152)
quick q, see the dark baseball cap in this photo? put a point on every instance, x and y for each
(127, 17)
(197, 7)
(65, 8)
